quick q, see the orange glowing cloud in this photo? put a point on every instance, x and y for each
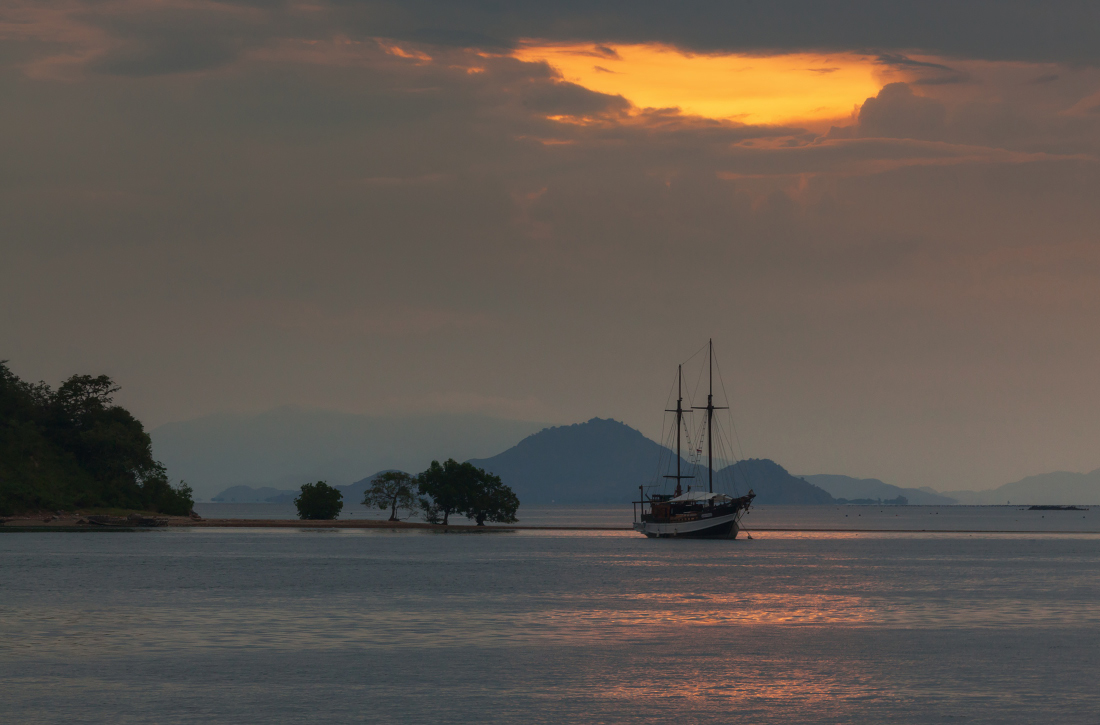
(776, 89)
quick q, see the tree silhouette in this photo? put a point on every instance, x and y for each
(463, 488)
(490, 500)
(319, 501)
(74, 447)
(393, 490)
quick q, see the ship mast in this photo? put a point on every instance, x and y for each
(679, 419)
(710, 408)
(679, 416)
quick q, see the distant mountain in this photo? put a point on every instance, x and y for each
(600, 461)
(1058, 488)
(248, 494)
(283, 448)
(772, 484)
(872, 488)
(353, 493)
(604, 461)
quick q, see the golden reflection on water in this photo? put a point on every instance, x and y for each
(519, 621)
(663, 611)
(737, 681)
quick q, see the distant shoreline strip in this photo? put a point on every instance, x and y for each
(375, 524)
(37, 526)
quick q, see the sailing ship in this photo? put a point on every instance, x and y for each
(685, 513)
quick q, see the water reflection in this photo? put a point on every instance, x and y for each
(850, 627)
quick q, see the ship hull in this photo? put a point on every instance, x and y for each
(719, 527)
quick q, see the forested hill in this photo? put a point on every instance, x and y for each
(604, 461)
(772, 484)
(600, 461)
(72, 447)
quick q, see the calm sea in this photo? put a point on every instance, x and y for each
(252, 625)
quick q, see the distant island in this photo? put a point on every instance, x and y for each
(847, 489)
(282, 448)
(74, 447)
(598, 461)
(899, 501)
(1059, 487)
(602, 461)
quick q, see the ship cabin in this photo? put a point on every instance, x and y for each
(691, 506)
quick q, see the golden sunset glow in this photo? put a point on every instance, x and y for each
(777, 89)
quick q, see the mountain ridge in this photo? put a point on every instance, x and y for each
(604, 461)
(284, 447)
(597, 461)
(849, 487)
(1054, 488)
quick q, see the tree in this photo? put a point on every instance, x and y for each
(393, 490)
(432, 512)
(446, 486)
(490, 500)
(465, 489)
(76, 448)
(319, 501)
(173, 500)
(82, 396)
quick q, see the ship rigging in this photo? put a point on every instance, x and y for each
(686, 513)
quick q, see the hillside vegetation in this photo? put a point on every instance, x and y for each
(74, 448)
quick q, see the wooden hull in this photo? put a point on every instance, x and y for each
(719, 527)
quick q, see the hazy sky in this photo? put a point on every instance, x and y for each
(887, 215)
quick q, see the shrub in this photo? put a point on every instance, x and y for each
(319, 501)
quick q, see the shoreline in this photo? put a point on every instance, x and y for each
(76, 524)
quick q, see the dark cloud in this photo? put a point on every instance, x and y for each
(898, 113)
(901, 61)
(151, 41)
(992, 29)
(167, 55)
(569, 99)
(925, 73)
(187, 37)
(332, 221)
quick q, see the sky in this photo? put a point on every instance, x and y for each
(886, 215)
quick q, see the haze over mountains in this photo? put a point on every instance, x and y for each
(353, 492)
(596, 462)
(266, 457)
(604, 461)
(283, 448)
(1057, 488)
(850, 488)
